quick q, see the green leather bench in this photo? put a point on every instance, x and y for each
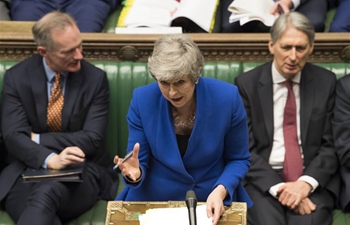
(123, 78)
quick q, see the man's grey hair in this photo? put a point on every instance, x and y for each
(296, 20)
(42, 29)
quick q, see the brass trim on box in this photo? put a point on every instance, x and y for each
(126, 213)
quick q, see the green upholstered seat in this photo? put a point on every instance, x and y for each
(340, 218)
(123, 78)
(340, 69)
(5, 218)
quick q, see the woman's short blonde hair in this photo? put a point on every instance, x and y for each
(174, 57)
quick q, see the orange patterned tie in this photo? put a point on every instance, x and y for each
(54, 108)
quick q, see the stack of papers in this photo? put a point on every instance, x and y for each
(245, 11)
(162, 13)
(148, 30)
(174, 216)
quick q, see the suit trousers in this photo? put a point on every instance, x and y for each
(268, 210)
(341, 21)
(55, 203)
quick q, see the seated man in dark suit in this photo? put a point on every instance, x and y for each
(289, 102)
(54, 114)
(341, 129)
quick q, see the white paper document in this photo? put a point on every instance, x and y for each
(248, 10)
(161, 13)
(174, 216)
(148, 30)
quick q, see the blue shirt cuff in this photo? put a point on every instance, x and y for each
(47, 160)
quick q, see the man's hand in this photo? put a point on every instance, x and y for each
(68, 156)
(285, 5)
(292, 193)
(306, 206)
(215, 204)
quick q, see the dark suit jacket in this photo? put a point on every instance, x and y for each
(341, 127)
(3, 154)
(84, 117)
(317, 90)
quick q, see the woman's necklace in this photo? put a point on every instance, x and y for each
(183, 126)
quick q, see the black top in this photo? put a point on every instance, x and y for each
(182, 142)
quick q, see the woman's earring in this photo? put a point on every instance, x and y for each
(196, 81)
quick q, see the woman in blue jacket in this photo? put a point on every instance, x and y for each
(186, 133)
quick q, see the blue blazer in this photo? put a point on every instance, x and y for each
(217, 151)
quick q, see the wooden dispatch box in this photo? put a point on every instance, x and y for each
(126, 213)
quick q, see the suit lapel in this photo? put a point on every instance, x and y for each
(166, 144)
(203, 99)
(266, 100)
(73, 84)
(306, 100)
(39, 86)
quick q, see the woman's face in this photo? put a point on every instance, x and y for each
(178, 92)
